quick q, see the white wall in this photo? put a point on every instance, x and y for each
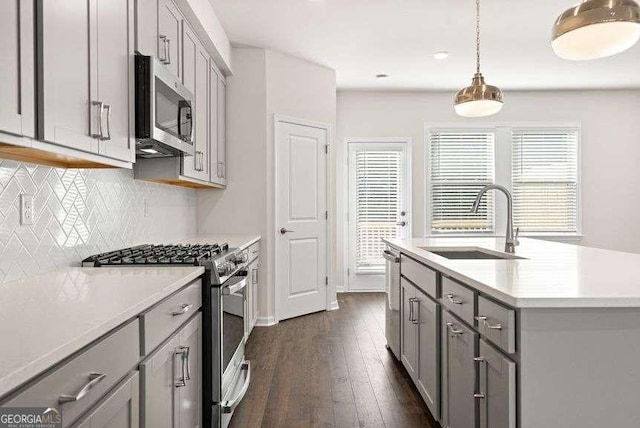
(264, 83)
(610, 149)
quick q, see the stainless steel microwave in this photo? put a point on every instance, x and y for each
(164, 116)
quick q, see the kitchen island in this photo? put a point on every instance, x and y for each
(548, 339)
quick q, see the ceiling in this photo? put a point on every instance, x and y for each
(362, 38)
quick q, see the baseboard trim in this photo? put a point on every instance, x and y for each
(266, 321)
(372, 290)
(333, 306)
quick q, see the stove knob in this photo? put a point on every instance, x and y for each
(241, 258)
(226, 268)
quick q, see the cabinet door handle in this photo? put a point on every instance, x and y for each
(198, 161)
(183, 310)
(454, 331)
(94, 379)
(482, 378)
(107, 108)
(100, 106)
(254, 275)
(168, 51)
(455, 300)
(411, 309)
(163, 39)
(487, 324)
(416, 313)
(183, 353)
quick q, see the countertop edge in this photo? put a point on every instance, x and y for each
(31, 370)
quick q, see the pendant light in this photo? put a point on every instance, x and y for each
(479, 99)
(596, 29)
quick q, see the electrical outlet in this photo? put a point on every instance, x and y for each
(26, 209)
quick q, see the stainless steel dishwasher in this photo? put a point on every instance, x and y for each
(392, 307)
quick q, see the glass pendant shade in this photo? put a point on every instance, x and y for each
(479, 99)
(596, 29)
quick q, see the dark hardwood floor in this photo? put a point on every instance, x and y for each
(329, 369)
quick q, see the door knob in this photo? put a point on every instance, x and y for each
(283, 231)
(402, 223)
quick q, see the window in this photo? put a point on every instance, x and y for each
(545, 180)
(378, 202)
(537, 162)
(461, 162)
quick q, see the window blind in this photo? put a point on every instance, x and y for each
(545, 175)
(461, 163)
(378, 181)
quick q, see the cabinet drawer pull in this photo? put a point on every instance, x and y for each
(94, 379)
(416, 313)
(454, 331)
(487, 324)
(100, 106)
(183, 310)
(455, 300)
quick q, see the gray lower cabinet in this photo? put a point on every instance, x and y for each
(420, 344)
(85, 97)
(497, 388)
(171, 380)
(409, 329)
(120, 409)
(428, 381)
(458, 373)
(17, 110)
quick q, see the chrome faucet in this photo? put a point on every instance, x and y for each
(511, 241)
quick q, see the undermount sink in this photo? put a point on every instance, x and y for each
(470, 254)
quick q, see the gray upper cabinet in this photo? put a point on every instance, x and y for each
(170, 36)
(222, 132)
(86, 76)
(196, 79)
(214, 79)
(497, 388)
(120, 409)
(428, 382)
(458, 374)
(17, 110)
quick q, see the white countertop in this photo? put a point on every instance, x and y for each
(552, 275)
(49, 317)
(234, 241)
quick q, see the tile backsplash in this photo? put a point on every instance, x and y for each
(80, 212)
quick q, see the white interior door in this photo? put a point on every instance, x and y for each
(379, 207)
(301, 223)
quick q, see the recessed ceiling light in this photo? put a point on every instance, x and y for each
(150, 151)
(381, 76)
(441, 55)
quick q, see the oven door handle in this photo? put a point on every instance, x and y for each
(236, 286)
(230, 406)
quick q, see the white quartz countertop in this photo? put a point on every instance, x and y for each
(49, 317)
(234, 241)
(551, 275)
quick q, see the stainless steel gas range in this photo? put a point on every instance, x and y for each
(226, 373)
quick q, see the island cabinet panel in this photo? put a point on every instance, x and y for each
(422, 276)
(458, 299)
(409, 330)
(497, 388)
(497, 323)
(120, 409)
(428, 382)
(458, 373)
